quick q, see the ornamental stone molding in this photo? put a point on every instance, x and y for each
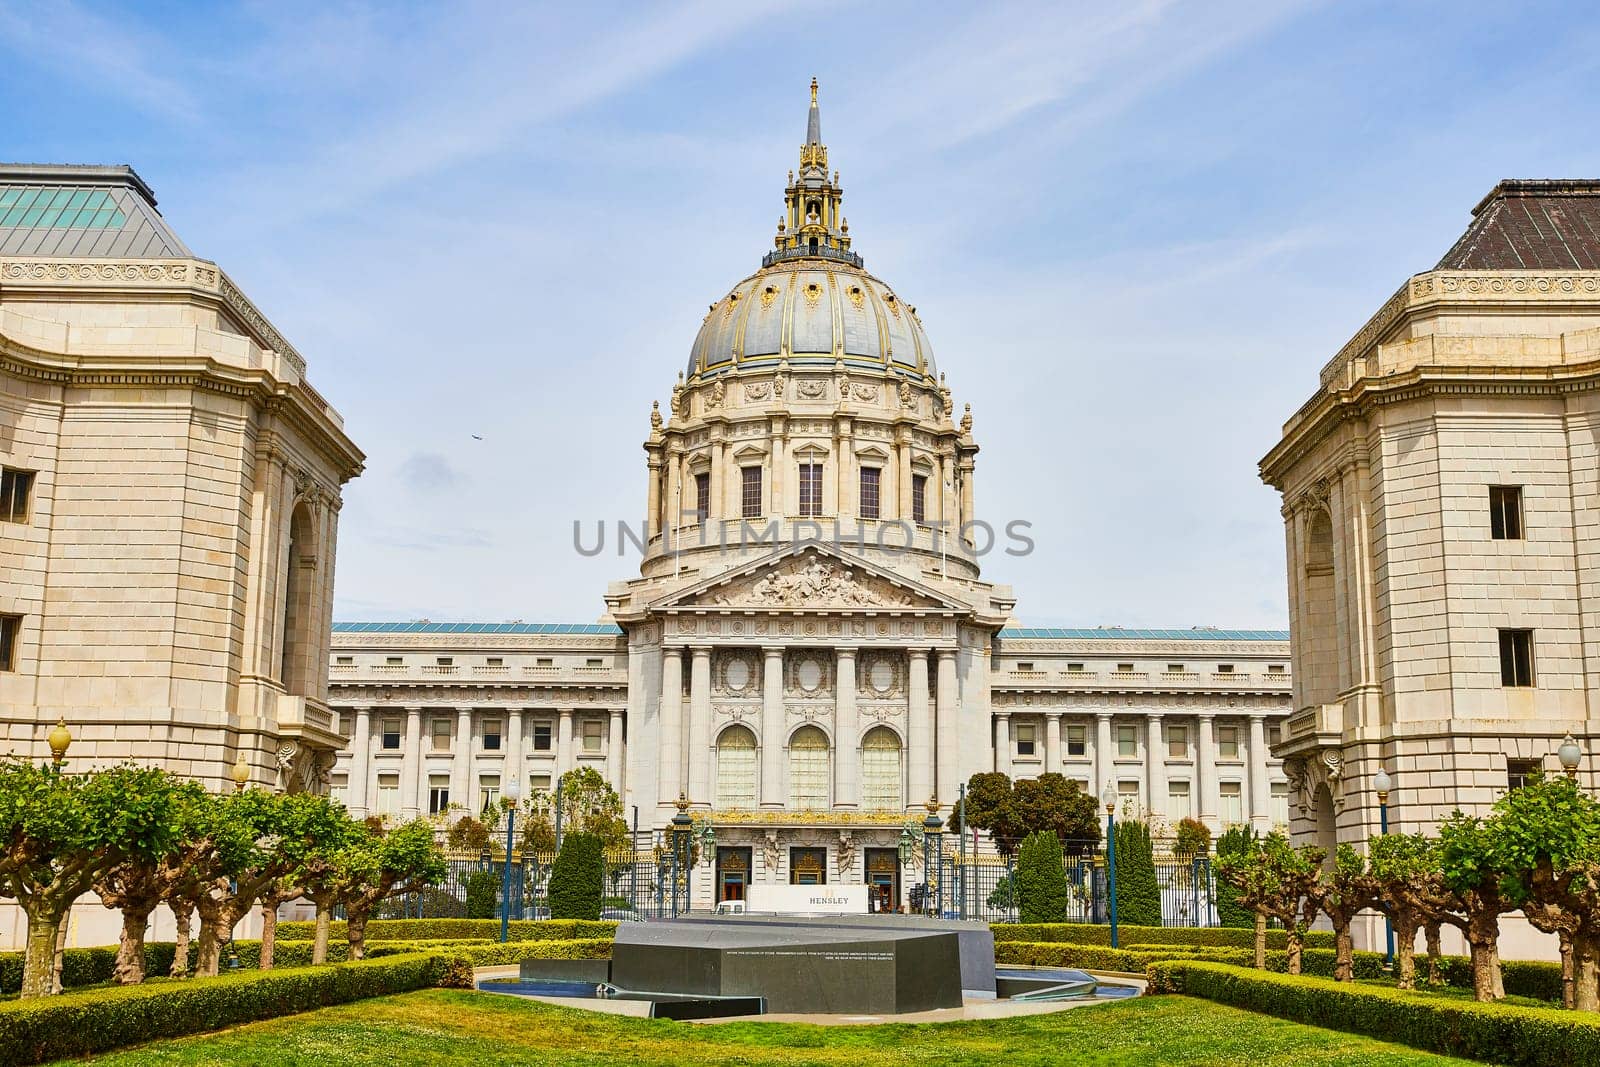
(811, 583)
(1308, 773)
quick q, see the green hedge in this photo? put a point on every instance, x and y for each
(1498, 1033)
(90, 1021)
(459, 929)
(1100, 934)
(495, 955)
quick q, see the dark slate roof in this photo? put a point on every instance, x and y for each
(85, 212)
(1117, 633)
(1532, 224)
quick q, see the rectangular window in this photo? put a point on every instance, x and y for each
(1128, 797)
(1274, 735)
(394, 661)
(10, 631)
(871, 482)
(1280, 803)
(594, 662)
(391, 734)
(594, 734)
(344, 661)
(1505, 512)
(1230, 809)
(810, 485)
(1127, 741)
(491, 735)
(443, 661)
(1516, 658)
(702, 496)
(488, 792)
(494, 661)
(1178, 800)
(438, 793)
(1075, 742)
(1227, 742)
(1178, 742)
(1274, 668)
(541, 737)
(439, 732)
(16, 494)
(388, 794)
(1025, 744)
(750, 492)
(1125, 668)
(1224, 668)
(1518, 771)
(539, 783)
(1024, 666)
(1174, 668)
(339, 789)
(919, 498)
(544, 661)
(1074, 667)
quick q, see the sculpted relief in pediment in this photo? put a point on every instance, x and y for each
(811, 582)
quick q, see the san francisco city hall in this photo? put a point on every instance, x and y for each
(809, 653)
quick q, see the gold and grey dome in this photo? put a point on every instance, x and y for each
(812, 301)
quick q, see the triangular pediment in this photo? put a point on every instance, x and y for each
(811, 577)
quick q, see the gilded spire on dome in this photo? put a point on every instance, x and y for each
(812, 224)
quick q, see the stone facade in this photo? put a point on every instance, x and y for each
(173, 486)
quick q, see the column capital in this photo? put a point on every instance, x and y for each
(700, 650)
(616, 713)
(772, 651)
(846, 650)
(675, 651)
(917, 653)
(414, 711)
(1258, 716)
(946, 654)
(1002, 715)
(1154, 716)
(1205, 716)
(1104, 716)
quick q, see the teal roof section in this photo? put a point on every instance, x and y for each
(571, 628)
(1116, 633)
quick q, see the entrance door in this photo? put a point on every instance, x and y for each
(883, 879)
(733, 873)
(808, 866)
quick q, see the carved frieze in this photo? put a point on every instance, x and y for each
(810, 582)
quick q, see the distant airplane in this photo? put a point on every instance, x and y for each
(475, 437)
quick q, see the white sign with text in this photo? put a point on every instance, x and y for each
(808, 899)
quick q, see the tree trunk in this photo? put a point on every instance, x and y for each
(269, 933)
(1568, 972)
(1435, 953)
(182, 917)
(1293, 943)
(319, 945)
(129, 969)
(59, 959)
(355, 928)
(1344, 961)
(1261, 940)
(1586, 976)
(38, 963)
(1496, 976)
(1405, 953)
(208, 956)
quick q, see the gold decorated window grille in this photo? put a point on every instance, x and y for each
(880, 771)
(808, 769)
(736, 769)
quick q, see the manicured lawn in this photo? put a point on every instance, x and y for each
(473, 1029)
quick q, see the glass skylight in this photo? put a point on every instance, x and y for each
(59, 209)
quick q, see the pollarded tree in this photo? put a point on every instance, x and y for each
(1041, 879)
(309, 828)
(1472, 868)
(1253, 885)
(1411, 892)
(1342, 893)
(241, 858)
(381, 865)
(1277, 881)
(1138, 893)
(63, 831)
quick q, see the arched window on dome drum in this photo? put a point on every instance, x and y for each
(810, 490)
(808, 770)
(880, 771)
(736, 769)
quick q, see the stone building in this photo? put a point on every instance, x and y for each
(810, 652)
(169, 497)
(1442, 514)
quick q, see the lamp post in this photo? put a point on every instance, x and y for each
(1570, 754)
(59, 739)
(512, 793)
(240, 773)
(1381, 782)
(1108, 797)
(682, 828)
(932, 831)
(961, 849)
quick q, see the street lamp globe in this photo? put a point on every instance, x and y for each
(513, 791)
(1108, 796)
(1381, 782)
(1570, 753)
(59, 739)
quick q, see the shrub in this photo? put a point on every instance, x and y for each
(1041, 877)
(1194, 837)
(1138, 894)
(82, 1023)
(1002, 899)
(467, 834)
(577, 878)
(1498, 1033)
(1100, 934)
(460, 929)
(483, 891)
(1235, 842)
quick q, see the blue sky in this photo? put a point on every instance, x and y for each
(1134, 233)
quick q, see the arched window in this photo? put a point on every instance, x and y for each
(808, 769)
(300, 568)
(880, 771)
(1319, 626)
(736, 769)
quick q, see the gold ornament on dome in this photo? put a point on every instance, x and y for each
(857, 297)
(768, 295)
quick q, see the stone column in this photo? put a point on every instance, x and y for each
(1156, 760)
(847, 743)
(948, 737)
(673, 504)
(1104, 769)
(772, 738)
(1052, 743)
(1206, 771)
(461, 760)
(903, 472)
(564, 756)
(716, 507)
(360, 790)
(411, 763)
(614, 753)
(653, 496)
(966, 489)
(919, 749)
(700, 726)
(670, 717)
(515, 748)
(1002, 743)
(778, 482)
(1258, 814)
